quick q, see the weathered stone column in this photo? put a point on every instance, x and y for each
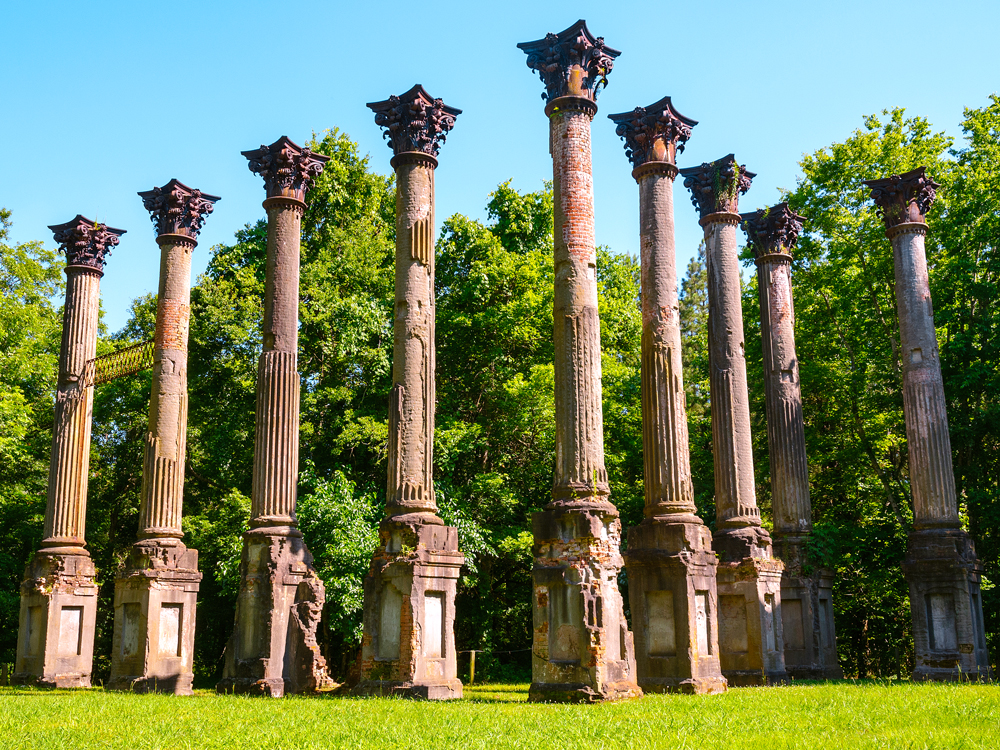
(55, 642)
(408, 646)
(155, 597)
(749, 578)
(806, 600)
(273, 648)
(670, 562)
(582, 646)
(941, 565)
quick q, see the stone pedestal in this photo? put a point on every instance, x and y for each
(153, 647)
(408, 647)
(750, 625)
(749, 579)
(670, 562)
(582, 648)
(55, 642)
(409, 644)
(941, 566)
(675, 605)
(944, 575)
(273, 649)
(806, 600)
(808, 627)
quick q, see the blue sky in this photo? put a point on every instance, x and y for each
(102, 100)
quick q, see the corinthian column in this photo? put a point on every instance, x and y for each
(156, 594)
(749, 579)
(55, 643)
(806, 600)
(941, 565)
(577, 656)
(408, 647)
(671, 566)
(273, 648)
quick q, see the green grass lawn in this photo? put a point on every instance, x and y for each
(822, 715)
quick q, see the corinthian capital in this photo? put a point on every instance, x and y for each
(904, 198)
(654, 133)
(716, 186)
(573, 62)
(414, 122)
(287, 169)
(85, 242)
(773, 230)
(177, 209)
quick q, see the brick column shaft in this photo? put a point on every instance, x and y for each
(783, 398)
(932, 477)
(411, 410)
(580, 476)
(166, 440)
(666, 459)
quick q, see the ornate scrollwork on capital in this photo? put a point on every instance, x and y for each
(772, 230)
(85, 242)
(573, 62)
(904, 198)
(654, 133)
(288, 169)
(414, 121)
(177, 209)
(716, 186)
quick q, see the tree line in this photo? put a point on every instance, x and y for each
(495, 440)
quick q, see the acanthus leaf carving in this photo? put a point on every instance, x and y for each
(716, 186)
(177, 209)
(85, 242)
(904, 198)
(571, 63)
(414, 121)
(287, 168)
(654, 133)
(772, 230)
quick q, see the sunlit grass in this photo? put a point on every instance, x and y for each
(820, 715)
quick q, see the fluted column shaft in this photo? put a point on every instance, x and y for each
(783, 398)
(66, 503)
(932, 476)
(580, 474)
(735, 499)
(276, 444)
(411, 411)
(166, 439)
(666, 460)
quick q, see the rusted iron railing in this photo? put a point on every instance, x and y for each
(114, 365)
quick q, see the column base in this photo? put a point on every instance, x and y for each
(55, 640)
(273, 649)
(582, 648)
(674, 599)
(408, 647)
(751, 647)
(948, 635)
(808, 628)
(155, 601)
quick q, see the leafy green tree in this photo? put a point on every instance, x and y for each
(30, 329)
